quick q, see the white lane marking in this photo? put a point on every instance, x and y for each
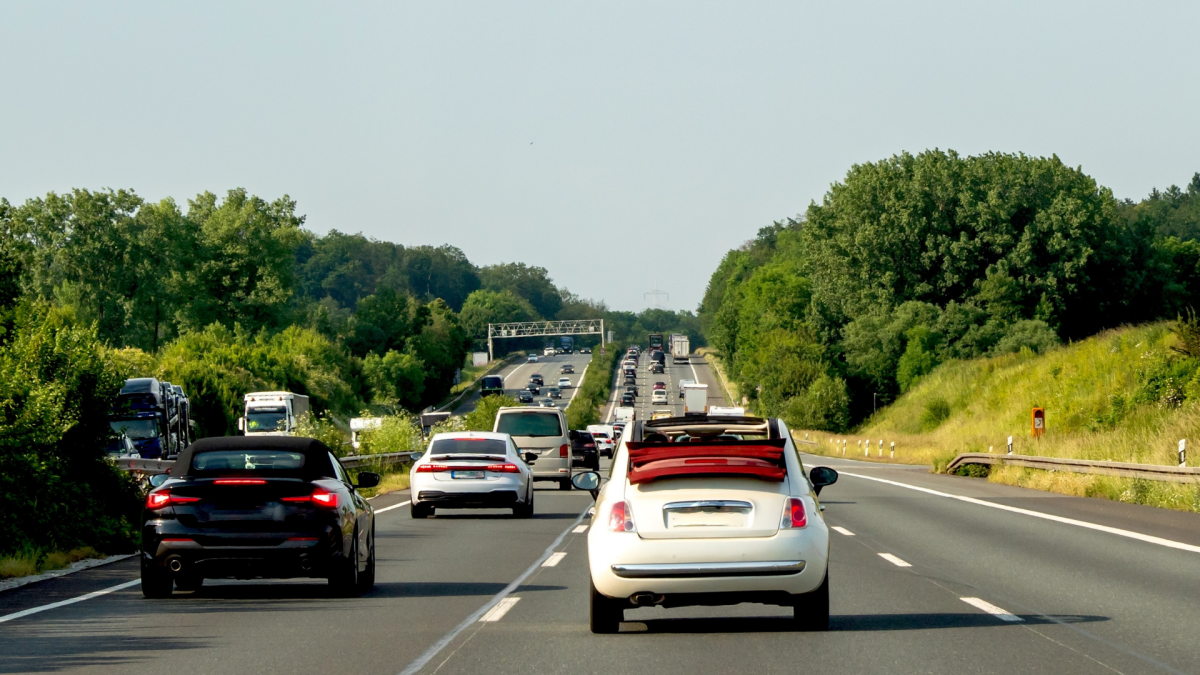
(496, 613)
(581, 528)
(393, 506)
(894, 560)
(842, 530)
(995, 611)
(1038, 514)
(446, 639)
(553, 560)
(71, 601)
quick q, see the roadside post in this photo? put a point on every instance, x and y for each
(1010, 445)
(893, 449)
(881, 447)
(1182, 452)
(1037, 422)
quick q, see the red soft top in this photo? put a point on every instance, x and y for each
(758, 459)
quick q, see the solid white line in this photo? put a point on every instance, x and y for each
(553, 560)
(842, 530)
(63, 603)
(995, 611)
(894, 560)
(581, 528)
(496, 613)
(446, 639)
(393, 506)
(1037, 514)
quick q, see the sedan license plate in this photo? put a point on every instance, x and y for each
(466, 474)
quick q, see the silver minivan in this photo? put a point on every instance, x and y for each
(542, 431)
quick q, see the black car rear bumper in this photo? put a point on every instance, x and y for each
(496, 499)
(290, 558)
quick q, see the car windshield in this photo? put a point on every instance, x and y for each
(468, 446)
(529, 424)
(493, 382)
(138, 430)
(266, 419)
(268, 462)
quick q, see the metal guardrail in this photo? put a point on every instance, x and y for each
(153, 466)
(359, 461)
(150, 466)
(1173, 474)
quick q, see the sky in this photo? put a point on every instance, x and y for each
(623, 146)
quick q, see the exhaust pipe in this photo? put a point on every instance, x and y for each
(175, 564)
(305, 564)
(646, 599)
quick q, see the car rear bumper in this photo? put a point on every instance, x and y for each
(293, 557)
(468, 500)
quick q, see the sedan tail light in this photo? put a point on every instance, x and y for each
(319, 497)
(503, 468)
(163, 498)
(620, 519)
(793, 514)
(563, 450)
(432, 468)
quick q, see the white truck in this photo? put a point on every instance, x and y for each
(272, 413)
(361, 424)
(681, 349)
(625, 415)
(695, 399)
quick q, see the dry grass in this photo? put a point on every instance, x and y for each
(33, 561)
(392, 482)
(714, 360)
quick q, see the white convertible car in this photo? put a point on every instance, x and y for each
(708, 511)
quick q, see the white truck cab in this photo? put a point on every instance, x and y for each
(272, 413)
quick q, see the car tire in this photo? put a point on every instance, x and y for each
(156, 582)
(420, 510)
(188, 582)
(366, 578)
(565, 484)
(523, 510)
(811, 610)
(606, 613)
(344, 577)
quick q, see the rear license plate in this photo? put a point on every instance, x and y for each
(707, 519)
(466, 474)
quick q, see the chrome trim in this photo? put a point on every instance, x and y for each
(709, 505)
(726, 569)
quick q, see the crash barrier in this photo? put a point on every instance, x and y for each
(453, 403)
(153, 466)
(1173, 474)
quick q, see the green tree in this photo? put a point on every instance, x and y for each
(396, 379)
(485, 306)
(531, 283)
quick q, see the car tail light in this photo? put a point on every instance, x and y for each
(793, 513)
(563, 450)
(239, 481)
(163, 498)
(432, 468)
(503, 468)
(319, 497)
(620, 519)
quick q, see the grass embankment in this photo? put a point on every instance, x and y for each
(34, 561)
(1124, 395)
(713, 359)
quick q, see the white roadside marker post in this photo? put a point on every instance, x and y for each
(1010, 445)
(881, 447)
(1182, 452)
(893, 449)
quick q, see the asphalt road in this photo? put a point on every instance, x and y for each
(1073, 598)
(516, 377)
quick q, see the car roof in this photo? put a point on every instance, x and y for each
(311, 448)
(469, 434)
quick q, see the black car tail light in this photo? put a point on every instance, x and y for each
(163, 498)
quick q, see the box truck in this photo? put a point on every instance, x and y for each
(272, 413)
(681, 349)
(695, 399)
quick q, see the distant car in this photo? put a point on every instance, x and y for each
(659, 397)
(532, 359)
(657, 369)
(661, 415)
(537, 379)
(549, 351)
(603, 435)
(546, 403)
(630, 381)
(533, 388)
(554, 392)
(632, 389)
(274, 507)
(524, 396)
(618, 430)
(567, 369)
(585, 350)
(122, 447)
(584, 452)
(472, 469)
(492, 385)
(628, 400)
(660, 385)
(564, 383)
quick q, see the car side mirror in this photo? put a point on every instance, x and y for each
(820, 476)
(588, 480)
(416, 456)
(367, 479)
(158, 479)
(529, 457)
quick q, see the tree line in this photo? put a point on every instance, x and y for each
(916, 259)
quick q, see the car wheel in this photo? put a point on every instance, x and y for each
(420, 510)
(156, 582)
(811, 610)
(523, 510)
(607, 614)
(366, 578)
(564, 484)
(344, 578)
(188, 582)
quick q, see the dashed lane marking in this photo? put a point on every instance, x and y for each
(1038, 514)
(1003, 615)
(496, 613)
(71, 601)
(553, 560)
(894, 560)
(581, 528)
(393, 506)
(842, 530)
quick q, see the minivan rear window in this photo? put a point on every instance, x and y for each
(529, 424)
(468, 446)
(493, 382)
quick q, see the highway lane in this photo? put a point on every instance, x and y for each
(696, 370)
(516, 376)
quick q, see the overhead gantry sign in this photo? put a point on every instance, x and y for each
(522, 329)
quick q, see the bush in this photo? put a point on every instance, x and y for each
(483, 417)
(824, 406)
(937, 410)
(1034, 334)
(597, 385)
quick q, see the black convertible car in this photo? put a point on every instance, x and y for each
(246, 508)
